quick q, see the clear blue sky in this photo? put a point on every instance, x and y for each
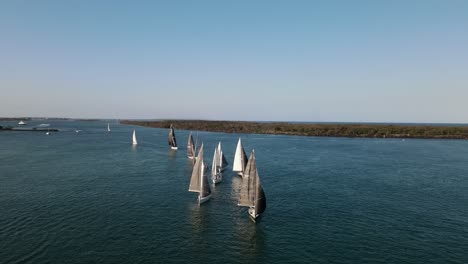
(357, 61)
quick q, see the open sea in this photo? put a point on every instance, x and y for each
(91, 197)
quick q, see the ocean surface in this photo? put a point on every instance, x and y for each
(90, 197)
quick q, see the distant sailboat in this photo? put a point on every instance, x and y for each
(190, 147)
(48, 132)
(251, 193)
(22, 123)
(108, 127)
(172, 139)
(199, 181)
(134, 140)
(240, 159)
(216, 175)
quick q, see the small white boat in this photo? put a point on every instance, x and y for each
(108, 127)
(77, 131)
(22, 123)
(134, 140)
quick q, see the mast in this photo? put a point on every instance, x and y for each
(213, 167)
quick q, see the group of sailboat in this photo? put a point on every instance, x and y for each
(172, 139)
(251, 191)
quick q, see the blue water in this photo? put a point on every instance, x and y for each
(91, 197)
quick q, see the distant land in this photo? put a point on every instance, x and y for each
(315, 129)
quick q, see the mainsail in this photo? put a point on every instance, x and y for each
(108, 127)
(134, 140)
(247, 191)
(221, 162)
(197, 172)
(205, 186)
(216, 175)
(171, 138)
(190, 147)
(240, 159)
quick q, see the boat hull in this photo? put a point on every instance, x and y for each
(204, 199)
(217, 180)
(254, 217)
(174, 148)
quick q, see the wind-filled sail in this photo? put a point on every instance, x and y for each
(216, 175)
(247, 191)
(224, 162)
(171, 138)
(134, 140)
(240, 158)
(221, 162)
(190, 147)
(260, 202)
(205, 186)
(198, 169)
(108, 127)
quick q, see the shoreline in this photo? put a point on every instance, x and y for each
(318, 130)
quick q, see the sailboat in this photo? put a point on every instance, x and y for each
(22, 123)
(48, 132)
(108, 127)
(134, 140)
(199, 181)
(240, 159)
(251, 193)
(222, 162)
(190, 147)
(171, 139)
(216, 175)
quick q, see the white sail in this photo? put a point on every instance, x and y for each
(246, 191)
(190, 147)
(108, 127)
(197, 170)
(134, 140)
(239, 159)
(171, 139)
(216, 175)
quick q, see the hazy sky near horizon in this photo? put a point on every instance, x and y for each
(354, 61)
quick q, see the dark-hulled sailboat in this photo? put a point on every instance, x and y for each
(199, 181)
(251, 193)
(172, 139)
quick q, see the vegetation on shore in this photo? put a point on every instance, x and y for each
(326, 130)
